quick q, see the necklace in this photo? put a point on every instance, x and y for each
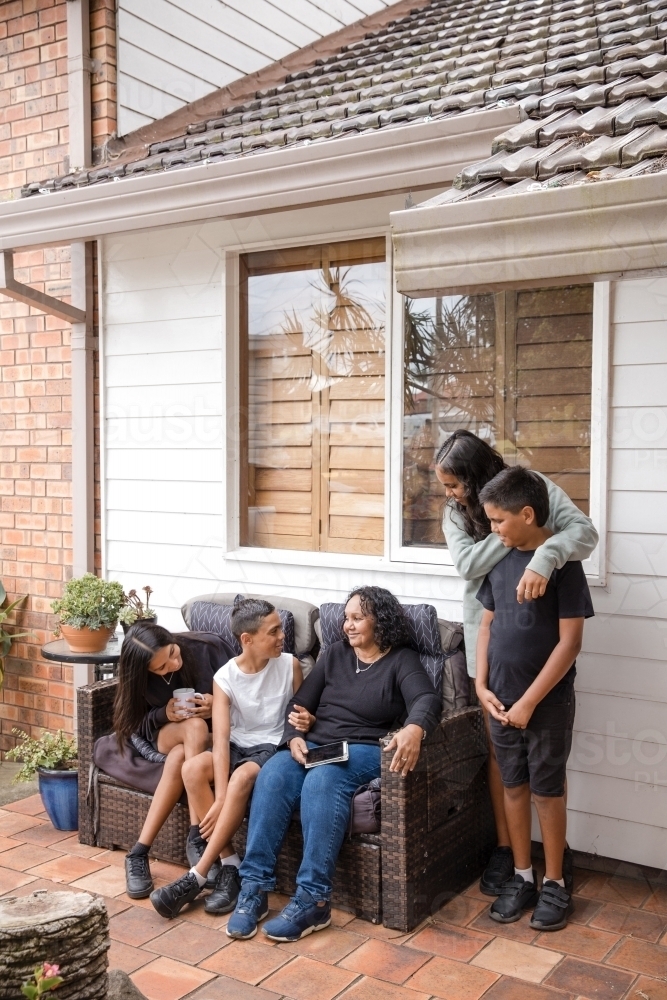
(168, 682)
(359, 669)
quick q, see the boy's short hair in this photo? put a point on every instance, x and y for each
(516, 488)
(248, 614)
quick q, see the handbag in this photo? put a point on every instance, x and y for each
(365, 811)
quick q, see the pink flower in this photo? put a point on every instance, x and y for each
(51, 970)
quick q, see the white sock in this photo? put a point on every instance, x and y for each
(525, 873)
(558, 881)
(201, 879)
(233, 859)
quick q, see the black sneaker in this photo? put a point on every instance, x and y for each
(552, 908)
(226, 892)
(138, 879)
(568, 869)
(515, 896)
(498, 870)
(170, 899)
(194, 848)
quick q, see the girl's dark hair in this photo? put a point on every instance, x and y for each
(474, 463)
(391, 626)
(248, 614)
(139, 647)
(514, 489)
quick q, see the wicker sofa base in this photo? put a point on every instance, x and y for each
(122, 812)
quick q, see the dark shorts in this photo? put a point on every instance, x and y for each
(253, 755)
(538, 754)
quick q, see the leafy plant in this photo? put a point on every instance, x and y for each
(134, 609)
(89, 602)
(45, 977)
(52, 750)
(7, 638)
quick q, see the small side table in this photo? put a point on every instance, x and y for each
(104, 662)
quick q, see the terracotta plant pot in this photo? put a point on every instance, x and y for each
(85, 640)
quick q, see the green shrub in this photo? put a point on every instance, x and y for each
(89, 602)
(53, 750)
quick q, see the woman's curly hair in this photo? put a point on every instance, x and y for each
(391, 624)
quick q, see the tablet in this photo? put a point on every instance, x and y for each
(329, 753)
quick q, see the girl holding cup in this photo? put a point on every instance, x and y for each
(154, 668)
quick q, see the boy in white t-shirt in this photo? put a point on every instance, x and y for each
(250, 696)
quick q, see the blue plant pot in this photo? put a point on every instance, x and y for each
(60, 795)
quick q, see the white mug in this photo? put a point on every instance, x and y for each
(185, 699)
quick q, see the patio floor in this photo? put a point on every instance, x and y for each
(614, 947)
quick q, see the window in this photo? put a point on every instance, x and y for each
(312, 397)
(514, 368)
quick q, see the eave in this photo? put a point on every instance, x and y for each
(410, 158)
(594, 231)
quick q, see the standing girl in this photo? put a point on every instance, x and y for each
(464, 465)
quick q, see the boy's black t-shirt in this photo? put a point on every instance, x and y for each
(523, 636)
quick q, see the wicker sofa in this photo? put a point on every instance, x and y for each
(437, 825)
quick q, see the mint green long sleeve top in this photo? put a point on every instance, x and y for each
(574, 538)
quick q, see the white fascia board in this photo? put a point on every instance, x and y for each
(593, 231)
(388, 160)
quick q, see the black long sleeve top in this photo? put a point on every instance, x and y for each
(363, 707)
(209, 653)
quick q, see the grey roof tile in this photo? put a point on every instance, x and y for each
(643, 144)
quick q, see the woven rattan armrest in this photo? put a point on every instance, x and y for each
(94, 719)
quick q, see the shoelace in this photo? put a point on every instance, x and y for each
(245, 901)
(138, 864)
(226, 876)
(294, 907)
(182, 886)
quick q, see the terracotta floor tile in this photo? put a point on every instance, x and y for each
(249, 961)
(115, 858)
(623, 920)
(187, 943)
(340, 918)
(278, 901)
(451, 980)
(373, 989)
(223, 988)
(106, 882)
(514, 989)
(28, 856)
(164, 869)
(585, 909)
(366, 928)
(32, 884)
(136, 926)
(589, 980)
(656, 903)
(8, 843)
(15, 823)
(330, 945)
(30, 806)
(113, 905)
(72, 846)
(640, 956)
(450, 941)
(612, 889)
(381, 960)
(520, 930)
(461, 910)
(10, 880)
(165, 979)
(585, 942)
(305, 979)
(656, 989)
(123, 956)
(66, 868)
(44, 835)
(475, 893)
(521, 961)
(196, 914)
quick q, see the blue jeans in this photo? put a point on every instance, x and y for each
(324, 795)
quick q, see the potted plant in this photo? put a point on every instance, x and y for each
(88, 612)
(53, 758)
(134, 609)
(7, 638)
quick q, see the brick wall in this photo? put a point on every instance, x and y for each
(35, 400)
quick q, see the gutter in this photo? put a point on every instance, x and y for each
(601, 230)
(376, 163)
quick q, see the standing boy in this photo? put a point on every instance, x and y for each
(525, 679)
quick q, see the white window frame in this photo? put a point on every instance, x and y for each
(422, 556)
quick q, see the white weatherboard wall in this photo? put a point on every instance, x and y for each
(171, 52)
(165, 503)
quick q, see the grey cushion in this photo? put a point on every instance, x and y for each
(205, 616)
(305, 615)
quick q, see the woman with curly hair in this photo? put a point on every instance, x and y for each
(360, 689)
